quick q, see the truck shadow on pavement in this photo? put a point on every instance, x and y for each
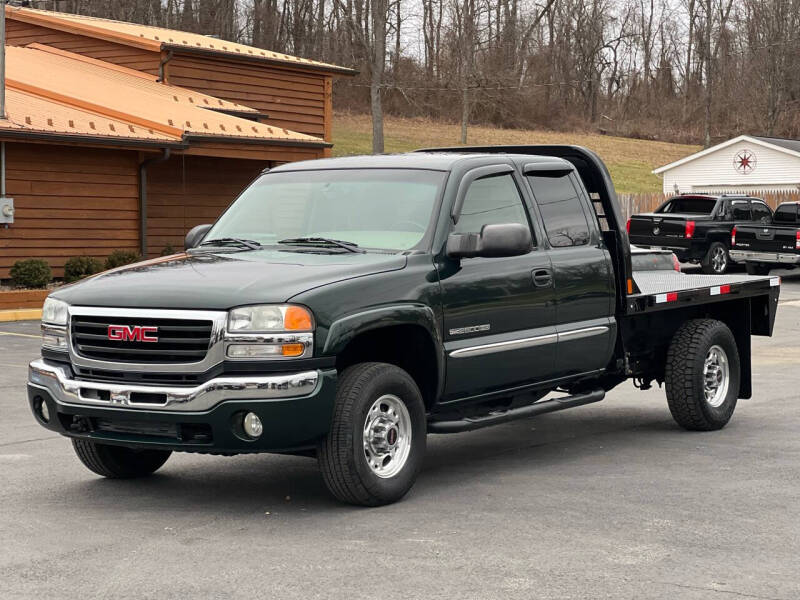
(537, 448)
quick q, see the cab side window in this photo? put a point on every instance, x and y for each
(562, 210)
(761, 212)
(740, 210)
(491, 201)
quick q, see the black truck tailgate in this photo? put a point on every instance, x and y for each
(661, 229)
(766, 238)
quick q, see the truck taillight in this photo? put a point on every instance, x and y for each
(797, 240)
(676, 264)
(733, 236)
(628, 226)
(689, 232)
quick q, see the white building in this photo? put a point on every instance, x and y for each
(746, 164)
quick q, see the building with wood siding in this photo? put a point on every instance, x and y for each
(125, 136)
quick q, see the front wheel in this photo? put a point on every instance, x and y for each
(376, 444)
(702, 375)
(118, 462)
(716, 260)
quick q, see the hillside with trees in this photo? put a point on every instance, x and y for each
(690, 71)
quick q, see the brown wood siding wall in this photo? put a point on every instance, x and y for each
(191, 190)
(22, 34)
(69, 202)
(293, 100)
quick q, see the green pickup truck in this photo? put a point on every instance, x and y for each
(346, 308)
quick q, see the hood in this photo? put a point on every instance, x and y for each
(219, 281)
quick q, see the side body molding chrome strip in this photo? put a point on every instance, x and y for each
(539, 340)
(530, 342)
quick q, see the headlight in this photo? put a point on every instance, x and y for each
(269, 331)
(268, 318)
(54, 312)
(54, 324)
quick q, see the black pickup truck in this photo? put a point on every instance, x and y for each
(769, 246)
(697, 227)
(345, 308)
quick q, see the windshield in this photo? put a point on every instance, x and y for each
(696, 205)
(385, 209)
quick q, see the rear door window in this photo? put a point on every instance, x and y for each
(761, 212)
(740, 210)
(562, 210)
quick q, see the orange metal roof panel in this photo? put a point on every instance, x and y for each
(143, 81)
(28, 112)
(118, 95)
(154, 38)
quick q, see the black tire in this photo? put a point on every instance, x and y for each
(717, 260)
(684, 376)
(757, 268)
(118, 462)
(342, 456)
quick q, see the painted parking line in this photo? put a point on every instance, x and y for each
(25, 335)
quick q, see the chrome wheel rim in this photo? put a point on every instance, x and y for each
(716, 376)
(718, 260)
(387, 436)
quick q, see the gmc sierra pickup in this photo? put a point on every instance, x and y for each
(345, 308)
(697, 228)
(769, 246)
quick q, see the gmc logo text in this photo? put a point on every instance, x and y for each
(132, 333)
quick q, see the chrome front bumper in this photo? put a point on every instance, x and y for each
(68, 391)
(766, 257)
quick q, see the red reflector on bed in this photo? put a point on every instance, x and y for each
(670, 297)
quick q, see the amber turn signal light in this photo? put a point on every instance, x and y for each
(292, 349)
(297, 318)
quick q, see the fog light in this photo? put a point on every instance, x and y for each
(40, 406)
(252, 425)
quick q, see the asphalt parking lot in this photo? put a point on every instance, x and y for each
(611, 500)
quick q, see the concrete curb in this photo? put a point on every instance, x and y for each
(20, 314)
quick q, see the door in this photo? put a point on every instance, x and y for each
(499, 316)
(584, 285)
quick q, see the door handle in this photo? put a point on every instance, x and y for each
(542, 278)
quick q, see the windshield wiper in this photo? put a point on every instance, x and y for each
(321, 241)
(249, 244)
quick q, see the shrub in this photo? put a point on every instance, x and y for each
(31, 273)
(168, 250)
(119, 258)
(79, 267)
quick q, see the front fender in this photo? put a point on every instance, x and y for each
(344, 330)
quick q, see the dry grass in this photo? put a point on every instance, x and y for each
(629, 160)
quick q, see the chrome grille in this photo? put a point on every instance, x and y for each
(179, 340)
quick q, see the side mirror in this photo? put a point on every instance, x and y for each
(494, 241)
(195, 236)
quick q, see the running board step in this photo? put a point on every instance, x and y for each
(539, 408)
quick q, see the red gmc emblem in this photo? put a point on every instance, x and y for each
(132, 333)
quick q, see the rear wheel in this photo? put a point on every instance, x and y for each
(376, 444)
(716, 260)
(702, 375)
(757, 268)
(118, 462)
